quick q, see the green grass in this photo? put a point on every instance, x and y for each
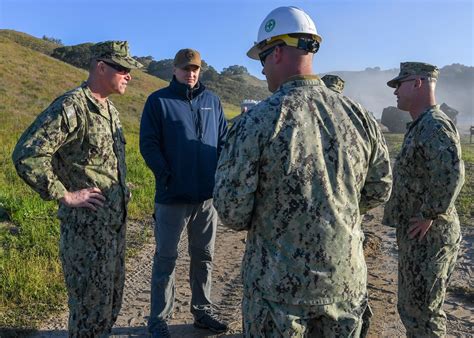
(140, 180)
(30, 272)
(230, 110)
(394, 143)
(465, 201)
(40, 45)
(467, 149)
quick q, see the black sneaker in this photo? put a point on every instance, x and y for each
(161, 330)
(211, 322)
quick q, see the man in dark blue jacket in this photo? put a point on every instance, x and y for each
(181, 135)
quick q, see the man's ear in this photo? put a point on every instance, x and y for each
(100, 67)
(418, 82)
(278, 54)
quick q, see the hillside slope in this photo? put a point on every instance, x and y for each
(30, 80)
(26, 40)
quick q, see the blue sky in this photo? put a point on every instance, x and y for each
(356, 34)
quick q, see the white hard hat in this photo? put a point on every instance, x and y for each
(281, 22)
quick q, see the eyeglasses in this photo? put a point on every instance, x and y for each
(120, 69)
(399, 83)
(263, 55)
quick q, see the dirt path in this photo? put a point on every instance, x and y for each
(132, 320)
(382, 271)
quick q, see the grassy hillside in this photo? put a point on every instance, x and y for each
(26, 40)
(236, 88)
(233, 85)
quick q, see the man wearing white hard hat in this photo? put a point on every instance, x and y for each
(297, 172)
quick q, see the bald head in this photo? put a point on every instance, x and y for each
(285, 62)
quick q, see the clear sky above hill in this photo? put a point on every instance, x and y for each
(356, 34)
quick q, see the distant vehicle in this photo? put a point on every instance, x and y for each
(247, 104)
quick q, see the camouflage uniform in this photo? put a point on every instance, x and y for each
(333, 82)
(428, 176)
(77, 143)
(297, 172)
(336, 84)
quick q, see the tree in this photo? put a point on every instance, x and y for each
(235, 70)
(162, 69)
(209, 75)
(78, 55)
(53, 40)
(144, 60)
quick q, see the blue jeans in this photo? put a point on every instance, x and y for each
(200, 219)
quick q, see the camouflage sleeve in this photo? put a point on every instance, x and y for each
(444, 172)
(378, 183)
(33, 153)
(237, 175)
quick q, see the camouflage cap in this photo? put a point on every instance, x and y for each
(414, 68)
(116, 52)
(333, 82)
(186, 57)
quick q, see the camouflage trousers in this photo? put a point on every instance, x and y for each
(264, 318)
(424, 269)
(93, 258)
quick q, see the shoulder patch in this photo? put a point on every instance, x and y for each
(70, 116)
(70, 111)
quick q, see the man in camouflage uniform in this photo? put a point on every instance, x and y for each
(74, 152)
(333, 82)
(428, 176)
(297, 172)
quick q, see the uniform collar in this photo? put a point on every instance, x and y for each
(103, 108)
(302, 79)
(413, 123)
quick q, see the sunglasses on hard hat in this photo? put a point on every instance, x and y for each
(263, 55)
(120, 69)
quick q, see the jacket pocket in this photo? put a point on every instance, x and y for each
(100, 151)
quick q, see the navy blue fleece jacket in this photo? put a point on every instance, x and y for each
(182, 132)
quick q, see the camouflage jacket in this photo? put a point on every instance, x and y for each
(428, 172)
(297, 171)
(74, 144)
